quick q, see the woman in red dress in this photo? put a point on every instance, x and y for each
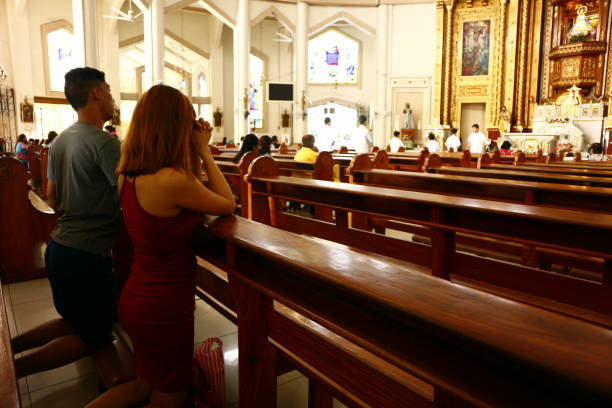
(162, 199)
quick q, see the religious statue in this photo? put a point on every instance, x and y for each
(218, 118)
(504, 119)
(285, 120)
(408, 120)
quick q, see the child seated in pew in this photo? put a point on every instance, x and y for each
(596, 153)
(395, 143)
(249, 144)
(307, 152)
(432, 145)
(163, 199)
(21, 152)
(453, 142)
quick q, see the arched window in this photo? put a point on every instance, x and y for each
(256, 89)
(58, 54)
(202, 85)
(333, 58)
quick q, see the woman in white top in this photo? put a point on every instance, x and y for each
(477, 140)
(432, 145)
(453, 141)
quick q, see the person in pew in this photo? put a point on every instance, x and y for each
(395, 143)
(82, 187)
(453, 141)
(506, 148)
(265, 145)
(477, 140)
(275, 142)
(326, 137)
(249, 144)
(307, 152)
(2, 145)
(21, 152)
(362, 140)
(163, 198)
(50, 138)
(596, 153)
(432, 145)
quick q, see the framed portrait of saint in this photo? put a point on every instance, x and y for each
(285, 120)
(27, 112)
(218, 118)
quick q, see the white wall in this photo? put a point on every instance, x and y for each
(5, 51)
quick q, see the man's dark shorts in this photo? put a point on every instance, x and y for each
(84, 291)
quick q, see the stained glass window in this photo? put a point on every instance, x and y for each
(333, 58)
(61, 60)
(256, 108)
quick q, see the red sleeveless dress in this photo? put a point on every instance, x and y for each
(157, 304)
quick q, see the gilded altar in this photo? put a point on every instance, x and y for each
(530, 143)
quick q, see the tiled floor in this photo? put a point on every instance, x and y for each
(30, 303)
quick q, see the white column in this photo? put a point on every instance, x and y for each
(382, 54)
(153, 18)
(301, 69)
(242, 49)
(157, 36)
(85, 27)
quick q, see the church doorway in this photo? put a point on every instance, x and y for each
(343, 122)
(471, 113)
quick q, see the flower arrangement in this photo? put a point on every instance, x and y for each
(564, 146)
(559, 120)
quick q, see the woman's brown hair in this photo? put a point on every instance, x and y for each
(159, 135)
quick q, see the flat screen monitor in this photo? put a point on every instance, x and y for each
(280, 92)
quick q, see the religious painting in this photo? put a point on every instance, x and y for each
(285, 120)
(27, 112)
(333, 58)
(255, 92)
(476, 40)
(218, 118)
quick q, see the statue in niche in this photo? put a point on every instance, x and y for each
(408, 119)
(504, 119)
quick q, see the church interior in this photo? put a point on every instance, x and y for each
(419, 194)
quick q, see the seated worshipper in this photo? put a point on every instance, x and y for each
(453, 141)
(249, 144)
(162, 200)
(82, 187)
(432, 145)
(326, 137)
(362, 140)
(307, 153)
(2, 145)
(21, 152)
(477, 140)
(265, 143)
(596, 151)
(395, 143)
(51, 137)
(506, 148)
(275, 142)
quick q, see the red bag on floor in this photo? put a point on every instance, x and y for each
(210, 374)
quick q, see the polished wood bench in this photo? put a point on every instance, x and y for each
(517, 174)
(373, 332)
(547, 168)
(581, 198)
(25, 222)
(34, 167)
(446, 216)
(9, 389)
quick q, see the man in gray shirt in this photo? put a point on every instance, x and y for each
(83, 188)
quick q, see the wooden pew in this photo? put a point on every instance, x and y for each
(517, 174)
(25, 218)
(44, 167)
(34, 167)
(546, 168)
(373, 332)
(445, 215)
(541, 194)
(9, 389)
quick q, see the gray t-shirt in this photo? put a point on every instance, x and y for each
(82, 162)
